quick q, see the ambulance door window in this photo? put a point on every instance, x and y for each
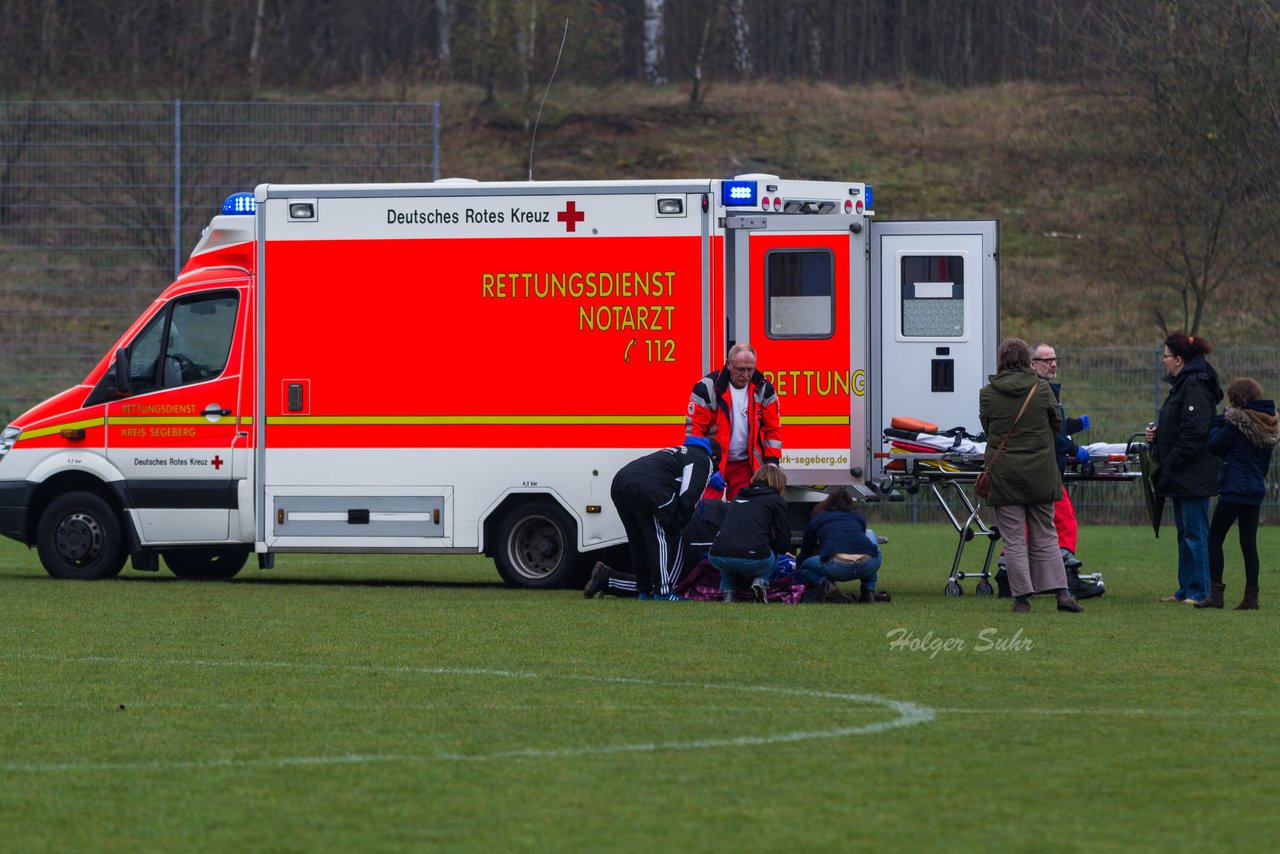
(199, 339)
(932, 296)
(800, 293)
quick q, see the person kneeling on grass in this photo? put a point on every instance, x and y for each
(754, 533)
(838, 547)
(695, 538)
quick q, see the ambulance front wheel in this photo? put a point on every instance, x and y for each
(537, 546)
(79, 536)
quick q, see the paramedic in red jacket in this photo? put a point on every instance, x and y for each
(737, 407)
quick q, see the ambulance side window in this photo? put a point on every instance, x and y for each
(199, 338)
(799, 293)
(932, 296)
(186, 342)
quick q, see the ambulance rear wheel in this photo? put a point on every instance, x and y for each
(215, 564)
(537, 546)
(79, 536)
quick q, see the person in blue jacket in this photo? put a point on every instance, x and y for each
(1244, 435)
(838, 547)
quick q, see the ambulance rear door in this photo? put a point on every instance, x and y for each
(934, 292)
(804, 309)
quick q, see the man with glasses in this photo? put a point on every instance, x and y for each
(1044, 361)
(738, 407)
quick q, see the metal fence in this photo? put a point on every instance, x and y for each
(102, 201)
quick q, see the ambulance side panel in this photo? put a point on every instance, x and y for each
(433, 358)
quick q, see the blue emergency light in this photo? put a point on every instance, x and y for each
(738, 194)
(870, 205)
(243, 204)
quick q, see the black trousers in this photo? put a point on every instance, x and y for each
(1246, 516)
(656, 550)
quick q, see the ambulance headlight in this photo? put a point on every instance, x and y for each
(7, 438)
(240, 203)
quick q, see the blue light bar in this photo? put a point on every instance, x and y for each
(243, 204)
(738, 194)
(870, 205)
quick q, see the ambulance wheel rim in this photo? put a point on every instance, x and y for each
(79, 539)
(536, 547)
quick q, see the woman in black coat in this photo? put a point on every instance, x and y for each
(1188, 472)
(755, 532)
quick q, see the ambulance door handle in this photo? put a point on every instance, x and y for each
(213, 410)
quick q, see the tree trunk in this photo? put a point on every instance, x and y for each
(653, 49)
(740, 32)
(444, 26)
(696, 94)
(525, 40)
(255, 51)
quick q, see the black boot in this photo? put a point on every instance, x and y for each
(1214, 599)
(1250, 600)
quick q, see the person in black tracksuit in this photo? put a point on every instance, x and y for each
(755, 532)
(695, 540)
(655, 496)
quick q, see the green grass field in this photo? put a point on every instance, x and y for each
(392, 703)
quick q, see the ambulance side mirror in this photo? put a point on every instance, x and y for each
(121, 375)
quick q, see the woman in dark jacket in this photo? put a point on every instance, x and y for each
(754, 533)
(1187, 472)
(1243, 435)
(1025, 480)
(838, 547)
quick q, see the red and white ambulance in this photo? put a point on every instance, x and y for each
(461, 367)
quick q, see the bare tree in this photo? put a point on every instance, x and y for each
(740, 35)
(1204, 89)
(255, 50)
(653, 50)
(526, 38)
(444, 28)
(697, 92)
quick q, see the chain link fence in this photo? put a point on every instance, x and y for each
(101, 202)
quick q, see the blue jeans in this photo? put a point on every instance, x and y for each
(1191, 515)
(760, 568)
(814, 569)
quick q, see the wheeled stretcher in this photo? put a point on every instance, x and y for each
(948, 463)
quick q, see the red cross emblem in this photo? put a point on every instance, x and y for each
(217, 462)
(571, 216)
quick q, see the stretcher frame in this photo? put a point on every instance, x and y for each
(948, 487)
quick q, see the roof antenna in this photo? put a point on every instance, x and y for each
(538, 118)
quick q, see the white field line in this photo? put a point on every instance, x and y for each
(908, 714)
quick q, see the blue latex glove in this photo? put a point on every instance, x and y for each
(1082, 455)
(716, 481)
(1084, 421)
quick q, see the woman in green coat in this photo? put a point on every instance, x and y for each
(1025, 479)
